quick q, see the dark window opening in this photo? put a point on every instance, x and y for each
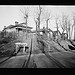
(19, 29)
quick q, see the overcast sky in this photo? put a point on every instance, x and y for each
(9, 14)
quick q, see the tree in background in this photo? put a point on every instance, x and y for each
(36, 23)
(69, 29)
(25, 15)
(64, 24)
(57, 23)
(46, 16)
(73, 26)
(37, 18)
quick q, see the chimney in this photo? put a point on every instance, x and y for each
(4, 26)
(16, 23)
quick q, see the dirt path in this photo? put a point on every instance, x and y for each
(67, 59)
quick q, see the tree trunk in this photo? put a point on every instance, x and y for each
(69, 34)
(74, 29)
(38, 23)
(47, 24)
(57, 27)
(66, 31)
(26, 28)
(74, 32)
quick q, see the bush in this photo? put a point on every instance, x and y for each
(4, 40)
(7, 37)
(12, 35)
(7, 49)
(7, 43)
(2, 34)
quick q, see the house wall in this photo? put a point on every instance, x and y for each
(14, 29)
(11, 30)
(21, 35)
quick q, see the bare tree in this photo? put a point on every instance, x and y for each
(36, 22)
(40, 10)
(37, 19)
(46, 16)
(73, 26)
(25, 15)
(69, 29)
(57, 24)
(64, 24)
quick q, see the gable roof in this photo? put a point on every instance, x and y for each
(19, 25)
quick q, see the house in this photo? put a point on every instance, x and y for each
(19, 28)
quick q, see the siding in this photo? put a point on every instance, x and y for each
(11, 30)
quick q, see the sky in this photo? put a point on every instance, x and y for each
(11, 13)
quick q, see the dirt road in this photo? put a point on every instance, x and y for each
(67, 59)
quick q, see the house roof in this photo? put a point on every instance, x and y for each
(19, 25)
